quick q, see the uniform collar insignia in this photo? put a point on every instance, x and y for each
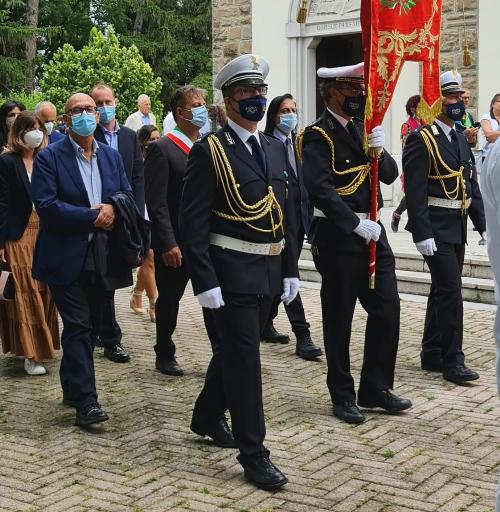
(330, 123)
(435, 130)
(230, 139)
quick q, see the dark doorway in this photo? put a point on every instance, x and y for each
(337, 51)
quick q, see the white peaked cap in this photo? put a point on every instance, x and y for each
(353, 73)
(451, 81)
(248, 69)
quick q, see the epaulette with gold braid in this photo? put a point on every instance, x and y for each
(435, 157)
(242, 212)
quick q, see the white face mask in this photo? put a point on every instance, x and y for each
(49, 127)
(33, 138)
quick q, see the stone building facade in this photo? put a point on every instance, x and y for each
(232, 34)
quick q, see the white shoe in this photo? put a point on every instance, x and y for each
(33, 368)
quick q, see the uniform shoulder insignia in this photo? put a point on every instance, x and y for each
(205, 137)
(229, 138)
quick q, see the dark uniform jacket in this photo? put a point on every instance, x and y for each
(16, 204)
(443, 224)
(212, 266)
(164, 170)
(128, 147)
(338, 226)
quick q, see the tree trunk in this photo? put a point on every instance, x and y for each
(139, 18)
(31, 22)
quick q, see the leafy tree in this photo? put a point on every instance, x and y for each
(103, 59)
(174, 36)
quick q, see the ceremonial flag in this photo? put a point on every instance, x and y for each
(393, 32)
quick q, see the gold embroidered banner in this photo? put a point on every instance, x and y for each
(396, 31)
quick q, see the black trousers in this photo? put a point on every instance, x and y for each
(294, 310)
(81, 306)
(110, 332)
(233, 378)
(443, 331)
(402, 206)
(171, 284)
(344, 280)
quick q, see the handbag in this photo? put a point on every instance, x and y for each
(6, 283)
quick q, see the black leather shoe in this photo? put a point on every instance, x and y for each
(98, 342)
(117, 354)
(306, 349)
(395, 222)
(273, 336)
(432, 366)
(90, 415)
(460, 374)
(385, 400)
(348, 412)
(263, 473)
(170, 367)
(220, 434)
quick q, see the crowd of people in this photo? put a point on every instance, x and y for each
(229, 209)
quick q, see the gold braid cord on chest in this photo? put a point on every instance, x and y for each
(242, 212)
(455, 177)
(360, 172)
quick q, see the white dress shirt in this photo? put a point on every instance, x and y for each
(446, 129)
(244, 134)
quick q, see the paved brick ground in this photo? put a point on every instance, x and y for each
(442, 456)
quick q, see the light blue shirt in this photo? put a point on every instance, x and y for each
(112, 137)
(89, 171)
(145, 119)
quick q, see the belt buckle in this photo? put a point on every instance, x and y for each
(275, 249)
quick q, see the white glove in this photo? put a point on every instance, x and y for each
(211, 299)
(368, 230)
(426, 247)
(291, 287)
(376, 139)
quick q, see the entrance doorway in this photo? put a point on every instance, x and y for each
(342, 50)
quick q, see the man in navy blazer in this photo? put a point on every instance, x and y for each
(71, 182)
(48, 114)
(125, 141)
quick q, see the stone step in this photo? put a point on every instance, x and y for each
(474, 289)
(473, 267)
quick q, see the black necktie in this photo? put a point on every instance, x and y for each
(291, 155)
(352, 131)
(454, 141)
(257, 152)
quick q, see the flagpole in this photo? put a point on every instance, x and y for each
(372, 260)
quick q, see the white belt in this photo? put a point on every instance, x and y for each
(455, 204)
(228, 242)
(362, 216)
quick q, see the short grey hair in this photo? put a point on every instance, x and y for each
(142, 97)
(43, 104)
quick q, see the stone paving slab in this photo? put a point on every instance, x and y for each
(443, 455)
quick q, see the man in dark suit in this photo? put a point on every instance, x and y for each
(124, 140)
(336, 173)
(48, 114)
(281, 123)
(438, 170)
(71, 182)
(235, 215)
(164, 171)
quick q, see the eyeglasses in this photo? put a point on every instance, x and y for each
(251, 90)
(89, 109)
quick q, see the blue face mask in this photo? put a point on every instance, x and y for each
(83, 124)
(200, 116)
(253, 109)
(106, 114)
(288, 122)
(455, 111)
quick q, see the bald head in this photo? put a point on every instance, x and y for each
(78, 100)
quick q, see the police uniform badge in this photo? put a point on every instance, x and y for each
(229, 138)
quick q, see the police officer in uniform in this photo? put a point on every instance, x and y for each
(235, 217)
(336, 174)
(438, 168)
